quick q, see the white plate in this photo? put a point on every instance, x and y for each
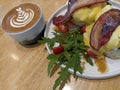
(90, 72)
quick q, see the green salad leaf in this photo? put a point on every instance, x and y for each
(74, 51)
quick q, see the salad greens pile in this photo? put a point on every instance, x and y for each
(69, 52)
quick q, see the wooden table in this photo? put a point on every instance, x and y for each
(24, 68)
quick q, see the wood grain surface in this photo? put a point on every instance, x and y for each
(25, 68)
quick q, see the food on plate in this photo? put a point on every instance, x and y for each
(74, 5)
(103, 28)
(98, 23)
(87, 14)
(89, 28)
(111, 43)
(91, 17)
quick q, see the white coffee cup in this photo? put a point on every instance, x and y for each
(24, 32)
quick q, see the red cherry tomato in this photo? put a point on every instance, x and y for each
(58, 50)
(62, 28)
(83, 29)
(91, 54)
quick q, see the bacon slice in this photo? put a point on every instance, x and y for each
(72, 6)
(104, 27)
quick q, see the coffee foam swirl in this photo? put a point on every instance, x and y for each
(22, 19)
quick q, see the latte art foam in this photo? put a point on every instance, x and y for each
(23, 18)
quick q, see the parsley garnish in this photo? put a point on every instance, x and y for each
(74, 51)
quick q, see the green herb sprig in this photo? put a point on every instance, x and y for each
(74, 51)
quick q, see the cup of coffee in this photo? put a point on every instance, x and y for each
(25, 23)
